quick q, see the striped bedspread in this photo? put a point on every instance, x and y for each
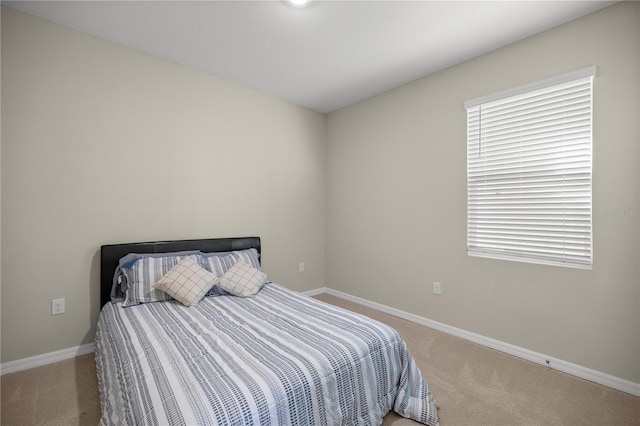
(279, 358)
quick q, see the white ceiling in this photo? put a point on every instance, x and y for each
(325, 56)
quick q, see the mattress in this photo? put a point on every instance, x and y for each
(279, 358)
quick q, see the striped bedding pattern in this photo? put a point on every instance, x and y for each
(279, 358)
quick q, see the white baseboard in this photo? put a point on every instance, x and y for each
(315, 292)
(61, 355)
(44, 359)
(555, 363)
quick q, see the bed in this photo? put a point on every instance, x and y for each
(276, 358)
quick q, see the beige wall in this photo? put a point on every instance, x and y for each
(396, 206)
(101, 144)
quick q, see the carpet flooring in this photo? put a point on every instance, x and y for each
(473, 385)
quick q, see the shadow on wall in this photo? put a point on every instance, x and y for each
(86, 377)
(94, 297)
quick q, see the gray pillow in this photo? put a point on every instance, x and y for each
(127, 261)
(220, 262)
(138, 271)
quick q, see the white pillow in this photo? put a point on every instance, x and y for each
(242, 280)
(186, 282)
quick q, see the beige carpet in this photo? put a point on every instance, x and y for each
(472, 384)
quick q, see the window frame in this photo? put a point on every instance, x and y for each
(508, 237)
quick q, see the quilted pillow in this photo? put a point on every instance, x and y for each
(187, 282)
(242, 280)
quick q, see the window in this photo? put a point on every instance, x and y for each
(529, 172)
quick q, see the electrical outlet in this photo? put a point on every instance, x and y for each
(300, 267)
(437, 288)
(57, 306)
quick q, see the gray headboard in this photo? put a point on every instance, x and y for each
(110, 254)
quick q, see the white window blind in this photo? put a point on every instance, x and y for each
(529, 172)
